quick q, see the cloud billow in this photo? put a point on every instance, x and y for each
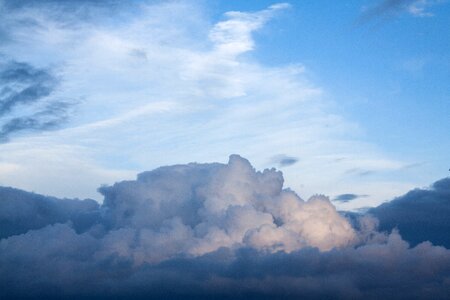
(206, 230)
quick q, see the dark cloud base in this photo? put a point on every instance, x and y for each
(76, 249)
(389, 271)
(22, 211)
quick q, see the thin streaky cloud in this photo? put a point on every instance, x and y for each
(26, 102)
(283, 160)
(393, 8)
(348, 197)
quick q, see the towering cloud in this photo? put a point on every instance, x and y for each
(205, 207)
(207, 230)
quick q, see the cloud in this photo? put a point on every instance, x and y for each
(347, 197)
(233, 36)
(206, 230)
(224, 206)
(420, 215)
(389, 8)
(359, 172)
(21, 212)
(34, 84)
(283, 160)
(25, 104)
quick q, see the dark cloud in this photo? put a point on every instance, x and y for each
(50, 117)
(388, 269)
(207, 231)
(22, 211)
(283, 160)
(23, 84)
(420, 215)
(348, 197)
(25, 102)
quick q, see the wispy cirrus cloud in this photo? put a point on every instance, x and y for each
(25, 99)
(154, 92)
(348, 197)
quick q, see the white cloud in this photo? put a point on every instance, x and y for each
(197, 209)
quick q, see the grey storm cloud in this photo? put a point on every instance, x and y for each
(202, 231)
(420, 215)
(25, 99)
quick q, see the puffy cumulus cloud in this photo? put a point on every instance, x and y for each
(207, 230)
(420, 215)
(203, 207)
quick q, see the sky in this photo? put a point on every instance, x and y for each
(356, 92)
(226, 149)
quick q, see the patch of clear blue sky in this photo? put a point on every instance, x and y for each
(390, 75)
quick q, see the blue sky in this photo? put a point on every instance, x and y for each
(355, 93)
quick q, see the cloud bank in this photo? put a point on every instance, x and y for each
(207, 230)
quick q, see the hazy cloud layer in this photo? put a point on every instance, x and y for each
(208, 230)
